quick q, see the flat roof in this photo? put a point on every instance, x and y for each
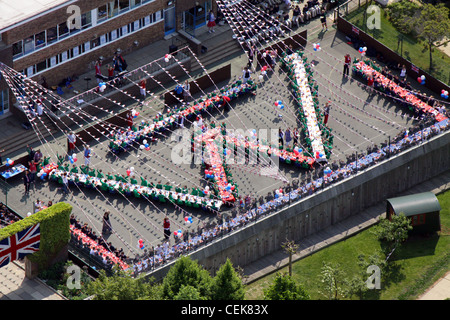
(13, 12)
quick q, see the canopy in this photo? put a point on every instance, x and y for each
(415, 204)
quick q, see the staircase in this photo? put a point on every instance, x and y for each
(220, 48)
(16, 143)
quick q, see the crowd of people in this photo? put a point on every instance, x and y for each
(94, 245)
(7, 216)
(272, 18)
(248, 210)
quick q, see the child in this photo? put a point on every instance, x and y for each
(211, 21)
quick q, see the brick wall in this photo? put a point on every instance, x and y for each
(59, 16)
(83, 63)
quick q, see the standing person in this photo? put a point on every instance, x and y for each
(87, 155)
(106, 229)
(288, 137)
(119, 63)
(403, 73)
(347, 61)
(110, 72)
(179, 91)
(38, 157)
(295, 135)
(71, 140)
(296, 15)
(211, 21)
(27, 181)
(130, 119)
(370, 83)
(323, 19)
(30, 152)
(33, 169)
(281, 138)
(98, 71)
(186, 91)
(142, 87)
(251, 56)
(363, 54)
(166, 226)
(245, 75)
(65, 183)
(326, 112)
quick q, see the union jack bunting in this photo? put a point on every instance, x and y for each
(19, 245)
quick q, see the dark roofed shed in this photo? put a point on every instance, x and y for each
(422, 208)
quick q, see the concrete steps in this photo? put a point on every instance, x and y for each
(17, 142)
(218, 52)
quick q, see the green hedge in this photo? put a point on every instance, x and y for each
(54, 227)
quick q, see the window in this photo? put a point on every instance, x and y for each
(95, 43)
(52, 35)
(418, 220)
(30, 71)
(102, 13)
(28, 44)
(41, 66)
(18, 48)
(135, 3)
(39, 40)
(86, 20)
(63, 31)
(124, 5)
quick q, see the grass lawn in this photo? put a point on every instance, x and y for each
(414, 267)
(411, 49)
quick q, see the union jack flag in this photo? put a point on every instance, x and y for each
(19, 245)
(414, 68)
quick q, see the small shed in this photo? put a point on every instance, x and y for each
(422, 208)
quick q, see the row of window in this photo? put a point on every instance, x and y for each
(88, 19)
(90, 45)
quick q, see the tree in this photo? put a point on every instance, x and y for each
(188, 293)
(291, 248)
(432, 25)
(284, 287)
(186, 272)
(332, 278)
(402, 15)
(227, 285)
(121, 286)
(392, 232)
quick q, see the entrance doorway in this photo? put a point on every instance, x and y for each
(196, 17)
(169, 20)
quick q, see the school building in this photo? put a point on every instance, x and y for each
(56, 39)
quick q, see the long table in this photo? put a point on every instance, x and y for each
(304, 92)
(13, 171)
(363, 69)
(137, 190)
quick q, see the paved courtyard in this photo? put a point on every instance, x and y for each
(357, 120)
